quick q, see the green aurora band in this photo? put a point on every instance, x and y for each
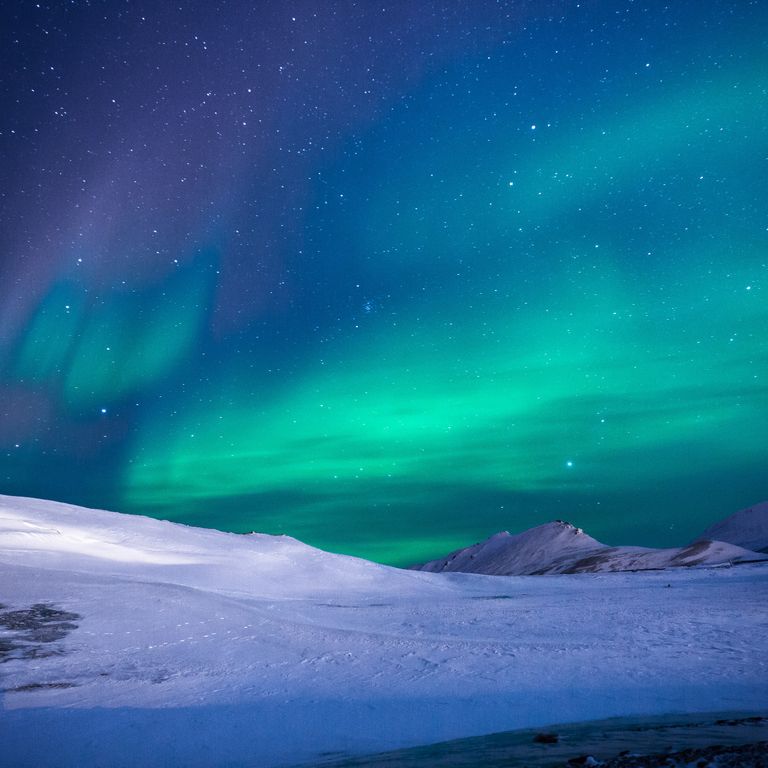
(566, 326)
(115, 348)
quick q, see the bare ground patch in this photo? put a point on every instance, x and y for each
(34, 633)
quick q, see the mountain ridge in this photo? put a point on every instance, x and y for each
(560, 547)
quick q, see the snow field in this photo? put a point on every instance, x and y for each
(202, 648)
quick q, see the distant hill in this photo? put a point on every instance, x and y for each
(746, 528)
(560, 547)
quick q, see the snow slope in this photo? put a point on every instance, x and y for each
(560, 547)
(50, 535)
(746, 528)
(126, 641)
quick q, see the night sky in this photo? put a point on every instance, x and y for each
(387, 276)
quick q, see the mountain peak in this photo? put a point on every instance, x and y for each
(513, 554)
(561, 547)
(746, 528)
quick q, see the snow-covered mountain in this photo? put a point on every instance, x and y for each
(746, 528)
(537, 550)
(127, 641)
(560, 547)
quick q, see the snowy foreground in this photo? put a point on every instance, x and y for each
(159, 644)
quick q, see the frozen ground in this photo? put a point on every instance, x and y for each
(126, 641)
(717, 740)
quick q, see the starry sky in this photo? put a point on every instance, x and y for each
(387, 276)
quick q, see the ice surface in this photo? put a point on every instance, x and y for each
(192, 647)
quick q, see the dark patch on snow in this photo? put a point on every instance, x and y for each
(40, 687)
(591, 563)
(744, 756)
(692, 550)
(723, 740)
(743, 721)
(493, 597)
(29, 633)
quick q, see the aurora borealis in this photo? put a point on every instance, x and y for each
(387, 277)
